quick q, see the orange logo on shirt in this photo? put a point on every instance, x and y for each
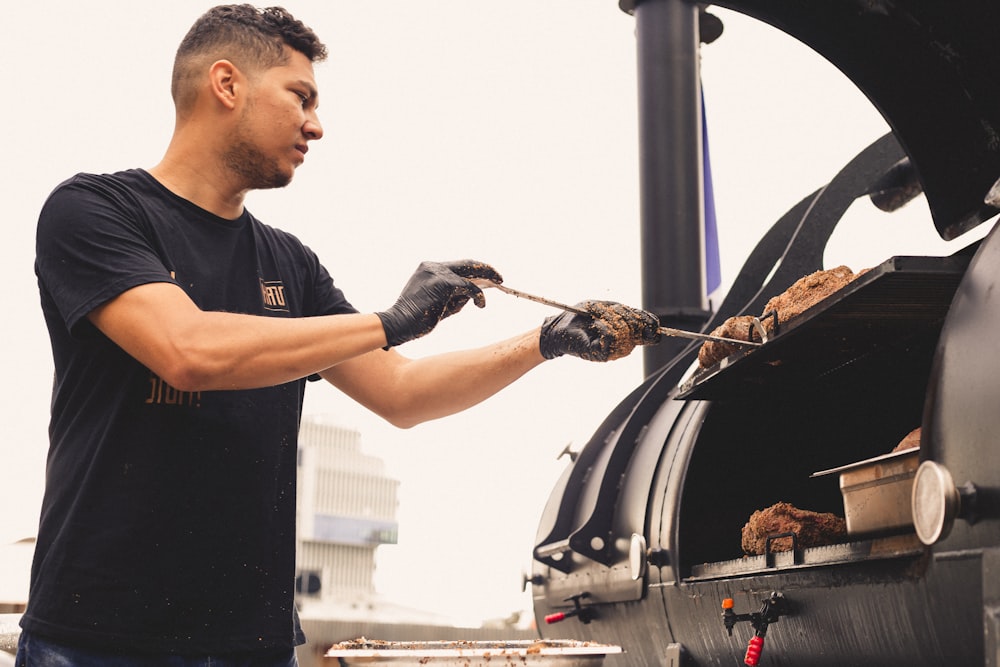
(162, 393)
(273, 294)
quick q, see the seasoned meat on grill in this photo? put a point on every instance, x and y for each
(812, 529)
(911, 440)
(714, 351)
(802, 295)
(807, 292)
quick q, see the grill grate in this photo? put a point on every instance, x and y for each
(898, 304)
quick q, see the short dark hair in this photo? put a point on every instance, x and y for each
(251, 38)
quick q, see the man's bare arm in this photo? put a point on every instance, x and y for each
(195, 350)
(407, 392)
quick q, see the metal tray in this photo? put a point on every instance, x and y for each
(902, 300)
(563, 653)
(877, 492)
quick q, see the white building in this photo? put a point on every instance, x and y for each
(346, 509)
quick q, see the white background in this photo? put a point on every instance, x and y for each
(501, 131)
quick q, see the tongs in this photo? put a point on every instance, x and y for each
(665, 331)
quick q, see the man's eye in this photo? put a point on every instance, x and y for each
(303, 99)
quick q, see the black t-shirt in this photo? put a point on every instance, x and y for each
(168, 521)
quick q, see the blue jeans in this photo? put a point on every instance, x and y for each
(34, 651)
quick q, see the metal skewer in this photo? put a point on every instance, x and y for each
(666, 331)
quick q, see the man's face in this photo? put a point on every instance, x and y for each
(276, 122)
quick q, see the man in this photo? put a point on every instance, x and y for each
(183, 331)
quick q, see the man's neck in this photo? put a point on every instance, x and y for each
(207, 187)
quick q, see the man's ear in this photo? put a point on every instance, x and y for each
(223, 79)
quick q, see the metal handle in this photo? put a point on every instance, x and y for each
(665, 331)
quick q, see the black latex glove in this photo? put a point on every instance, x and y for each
(610, 331)
(434, 291)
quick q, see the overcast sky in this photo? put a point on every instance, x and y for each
(503, 131)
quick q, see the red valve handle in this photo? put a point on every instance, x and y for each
(754, 649)
(556, 617)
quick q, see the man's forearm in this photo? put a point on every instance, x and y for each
(451, 382)
(196, 350)
(235, 351)
(407, 392)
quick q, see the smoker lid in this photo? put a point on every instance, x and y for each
(930, 68)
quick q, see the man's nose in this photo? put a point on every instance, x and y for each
(312, 128)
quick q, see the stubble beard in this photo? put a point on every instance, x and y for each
(257, 170)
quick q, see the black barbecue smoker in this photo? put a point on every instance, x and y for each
(639, 544)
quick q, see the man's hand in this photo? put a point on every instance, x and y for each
(610, 331)
(435, 291)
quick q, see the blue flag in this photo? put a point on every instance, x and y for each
(713, 268)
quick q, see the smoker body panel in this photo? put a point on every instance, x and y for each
(916, 610)
(962, 419)
(877, 612)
